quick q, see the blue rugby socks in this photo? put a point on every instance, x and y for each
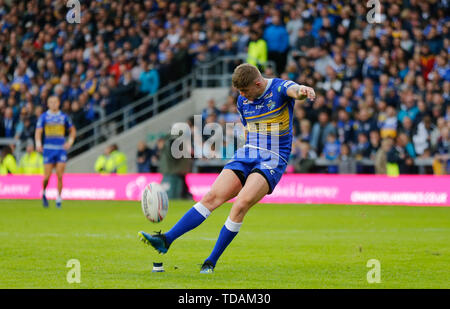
(227, 234)
(191, 219)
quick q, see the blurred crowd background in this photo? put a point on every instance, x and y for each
(383, 89)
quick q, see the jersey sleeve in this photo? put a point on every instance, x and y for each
(284, 86)
(240, 110)
(68, 122)
(41, 122)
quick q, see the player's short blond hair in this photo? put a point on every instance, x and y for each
(53, 97)
(244, 74)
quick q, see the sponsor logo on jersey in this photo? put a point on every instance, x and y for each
(271, 105)
(54, 129)
(269, 95)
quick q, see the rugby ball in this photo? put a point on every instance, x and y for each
(154, 202)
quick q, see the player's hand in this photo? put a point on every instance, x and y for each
(307, 92)
(39, 148)
(67, 146)
(68, 143)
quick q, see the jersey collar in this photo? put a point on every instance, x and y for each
(269, 83)
(54, 114)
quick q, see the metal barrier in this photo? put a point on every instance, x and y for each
(18, 146)
(133, 113)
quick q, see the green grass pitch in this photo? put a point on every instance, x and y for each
(279, 246)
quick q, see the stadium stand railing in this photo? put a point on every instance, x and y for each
(17, 143)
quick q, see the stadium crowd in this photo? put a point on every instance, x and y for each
(377, 82)
(382, 88)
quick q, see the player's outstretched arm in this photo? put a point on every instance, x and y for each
(300, 92)
(72, 136)
(38, 139)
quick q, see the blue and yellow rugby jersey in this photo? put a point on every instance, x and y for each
(268, 119)
(54, 127)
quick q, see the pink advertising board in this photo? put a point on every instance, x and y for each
(293, 188)
(78, 186)
(347, 189)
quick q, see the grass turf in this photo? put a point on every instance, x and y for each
(279, 246)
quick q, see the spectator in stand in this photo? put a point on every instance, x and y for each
(304, 161)
(149, 79)
(305, 130)
(299, 115)
(399, 158)
(8, 122)
(331, 152)
(330, 81)
(408, 107)
(344, 125)
(362, 148)
(295, 153)
(441, 68)
(408, 145)
(277, 39)
(116, 162)
(374, 144)
(293, 26)
(441, 163)
(380, 160)
(365, 123)
(305, 40)
(25, 129)
(320, 132)
(352, 68)
(423, 110)
(407, 127)
(422, 139)
(210, 109)
(231, 115)
(322, 61)
(78, 116)
(388, 124)
(331, 149)
(347, 163)
(437, 132)
(157, 155)
(8, 163)
(228, 147)
(100, 163)
(257, 50)
(32, 162)
(143, 157)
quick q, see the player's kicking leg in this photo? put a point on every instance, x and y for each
(60, 167)
(48, 168)
(226, 186)
(255, 188)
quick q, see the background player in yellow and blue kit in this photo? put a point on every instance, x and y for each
(266, 109)
(54, 124)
